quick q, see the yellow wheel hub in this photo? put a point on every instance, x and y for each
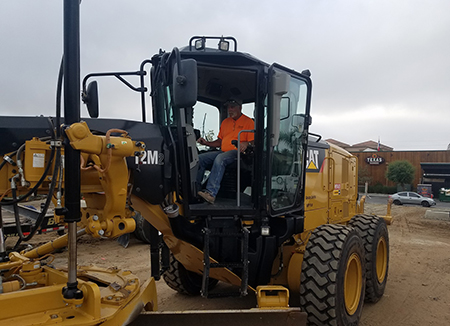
(381, 259)
(353, 283)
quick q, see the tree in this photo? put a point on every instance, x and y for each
(364, 176)
(401, 172)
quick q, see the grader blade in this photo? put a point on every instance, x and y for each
(262, 317)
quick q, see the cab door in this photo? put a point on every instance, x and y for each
(287, 133)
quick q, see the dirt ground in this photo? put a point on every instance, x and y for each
(417, 291)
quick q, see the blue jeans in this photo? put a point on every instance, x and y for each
(216, 162)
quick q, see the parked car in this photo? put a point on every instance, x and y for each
(409, 197)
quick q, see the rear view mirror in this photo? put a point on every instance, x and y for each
(90, 98)
(185, 83)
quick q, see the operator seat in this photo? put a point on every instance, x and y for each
(228, 186)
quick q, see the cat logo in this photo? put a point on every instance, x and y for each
(314, 159)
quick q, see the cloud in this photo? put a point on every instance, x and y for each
(379, 68)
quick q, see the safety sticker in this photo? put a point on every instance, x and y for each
(38, 160)
(336, 192)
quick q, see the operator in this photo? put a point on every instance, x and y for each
(217, 161)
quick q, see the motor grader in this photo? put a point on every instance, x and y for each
(286, 221)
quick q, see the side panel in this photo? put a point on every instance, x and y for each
(316, 193)
(344, 185)
(331, 185)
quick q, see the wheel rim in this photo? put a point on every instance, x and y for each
(381, 259)
(353, 283)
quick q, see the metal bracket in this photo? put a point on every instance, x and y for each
(56, 143)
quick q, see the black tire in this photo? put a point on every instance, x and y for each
(375, 236)
(143, 227)
(333, 276)
(397, 202)
(425, 204)
(183, 281)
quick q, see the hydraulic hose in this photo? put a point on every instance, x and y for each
(58, 98)
(56, 135)
(16, 200)
(38, 184)
(44, 209)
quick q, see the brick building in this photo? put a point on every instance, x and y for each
(432, 167)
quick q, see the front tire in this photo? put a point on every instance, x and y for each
(374, 233)
(143, 228)
(333, 276)
(425, 204)
(178, 278)
(397, 202)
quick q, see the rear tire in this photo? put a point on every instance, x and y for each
(178, 278)
(374, 233)
(333, 276)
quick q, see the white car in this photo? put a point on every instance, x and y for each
(409, 197)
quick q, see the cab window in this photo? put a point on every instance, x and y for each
(288, 153)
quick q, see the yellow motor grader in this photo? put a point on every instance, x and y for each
(285, 222)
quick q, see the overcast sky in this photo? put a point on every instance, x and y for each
(380, 68)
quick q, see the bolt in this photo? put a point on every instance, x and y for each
(101, 232)
(109, 298)
(117, 299)
(54, 316)
(95, 218)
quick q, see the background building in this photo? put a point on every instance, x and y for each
(367, 146)
(431, 167)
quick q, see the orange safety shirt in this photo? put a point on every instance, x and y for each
(230, 128)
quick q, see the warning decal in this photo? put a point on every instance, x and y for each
(38, 160)
(314, 159)
(311, 165)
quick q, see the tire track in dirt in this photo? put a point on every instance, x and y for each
(418, 282)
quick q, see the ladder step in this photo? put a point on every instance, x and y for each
(226, 234)
(227, 265)
(224, 294)
(243, 264)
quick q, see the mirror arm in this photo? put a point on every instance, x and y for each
(118, 75)
(319, 137)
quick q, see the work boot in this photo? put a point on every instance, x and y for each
(206, 196)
